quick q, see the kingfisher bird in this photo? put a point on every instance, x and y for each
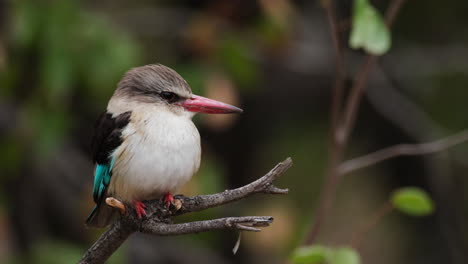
(145, 144)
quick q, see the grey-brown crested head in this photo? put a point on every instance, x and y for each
(154, 83)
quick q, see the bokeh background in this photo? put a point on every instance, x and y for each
(60, 62)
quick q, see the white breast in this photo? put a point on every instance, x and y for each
(160, 152)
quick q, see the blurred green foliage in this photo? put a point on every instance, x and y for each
(234, 54)
(74, 52)
(51, 252)
(59, 252)
(310, 255)
(317, 254)
(344, 255)
(57, 53)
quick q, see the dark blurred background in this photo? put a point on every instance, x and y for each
(60, 62)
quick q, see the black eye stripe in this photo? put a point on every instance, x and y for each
(170, 97)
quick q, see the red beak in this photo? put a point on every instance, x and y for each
(204, 105)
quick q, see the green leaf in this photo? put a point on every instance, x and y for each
(344, 255)
(310, 255)
(368, 29)
(413, 201)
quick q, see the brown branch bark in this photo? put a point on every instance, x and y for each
(262, 185)
(159, 218)
(402, 150)
(336, 104)
(338, 86)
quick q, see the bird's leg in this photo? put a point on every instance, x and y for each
(139, 208)
(168, 199)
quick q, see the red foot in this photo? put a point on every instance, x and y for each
(139, 208)
(168, 199)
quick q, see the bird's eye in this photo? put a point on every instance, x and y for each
(169, 96)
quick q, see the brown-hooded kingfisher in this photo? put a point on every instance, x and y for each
(145, 145)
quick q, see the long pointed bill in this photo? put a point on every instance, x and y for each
(204, 105)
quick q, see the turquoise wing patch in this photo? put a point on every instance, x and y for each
(102, 177)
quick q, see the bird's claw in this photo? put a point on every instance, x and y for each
(139, 209)
(168, 199)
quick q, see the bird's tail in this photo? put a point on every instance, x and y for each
(101, 216)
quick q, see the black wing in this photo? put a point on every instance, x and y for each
(107, 135)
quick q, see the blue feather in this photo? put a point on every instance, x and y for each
(102, 176)
(101, 215)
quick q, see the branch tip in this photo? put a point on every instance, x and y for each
(247, 228)
(275, 190)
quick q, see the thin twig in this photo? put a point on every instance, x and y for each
(360, 82)
(354, 99)
(341, 133)
(337, 95)
(402, 150)
(336, 105)
(392, 12)
(357, 238)
(262, 185)
(158, 220)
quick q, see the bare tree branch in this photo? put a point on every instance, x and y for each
(360, 82)
(245, 223)
(337, 95)
(334, 145)
(159, 218)
(402, 150)
(262, 185)
(340, 132)
(354, 99)
(108, 243)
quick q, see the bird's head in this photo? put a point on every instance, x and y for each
(159, 85)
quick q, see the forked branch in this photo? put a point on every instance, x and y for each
(159, 218)
(343, 121)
